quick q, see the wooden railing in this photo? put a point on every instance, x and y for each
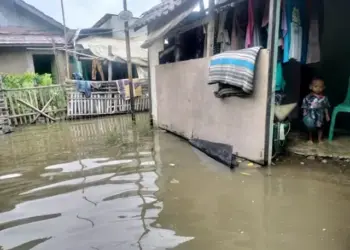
(106, 100)
(45, 104)
(36, 104)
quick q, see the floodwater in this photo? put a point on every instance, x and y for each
(99, 184)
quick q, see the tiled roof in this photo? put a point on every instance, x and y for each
(21, 36)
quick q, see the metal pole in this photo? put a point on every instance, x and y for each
(128, 54)
(274, 22)
(65, 39)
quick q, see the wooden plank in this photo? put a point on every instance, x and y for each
(12, 108)
(43, 109)
(37, 110)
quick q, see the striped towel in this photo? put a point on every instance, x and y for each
(235, 70)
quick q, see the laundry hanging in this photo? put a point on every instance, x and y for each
(96, 66)
(223, 37)
(296, 39)
(250, 26)
(313, 52)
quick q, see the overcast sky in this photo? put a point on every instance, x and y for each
(85, 13)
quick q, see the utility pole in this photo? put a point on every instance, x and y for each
(65, 39)
(210, 29)
(128, 55)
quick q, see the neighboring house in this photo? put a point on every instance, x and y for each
(182, 100)
(112, 21)
(105, 42)
(27, 37)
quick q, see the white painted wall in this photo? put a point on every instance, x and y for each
(153, 53)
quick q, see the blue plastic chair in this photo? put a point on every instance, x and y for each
(343, 107)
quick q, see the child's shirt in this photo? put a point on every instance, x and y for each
(315, 106)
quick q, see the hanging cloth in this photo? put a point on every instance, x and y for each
(223, 36)
(96, 66)
(313, 52)
(265, 20)
(296, 39)
(234, 35)
(283, 24)
(250, 27)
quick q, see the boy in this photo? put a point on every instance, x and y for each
(316, 109)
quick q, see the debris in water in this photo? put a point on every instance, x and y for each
(324, 161)
(174, 181)
(242, 232)
(244, 173)
(158, 225)
(311, 157)
(172, 165)
(324, 229)
(302, 163)
(250, 164)
(239, 161)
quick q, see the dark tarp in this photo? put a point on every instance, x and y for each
(218, 151)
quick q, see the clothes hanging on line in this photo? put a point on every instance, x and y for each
(84, 87)
(124, 90)
(237, 34)
(96, 66)
(296, 38)
(250, 26)
(314, 52)
(223, 37)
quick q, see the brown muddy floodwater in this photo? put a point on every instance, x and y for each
(99, 184)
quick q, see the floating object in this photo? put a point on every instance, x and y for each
(174, 181)
(218, 151)
(244, 173)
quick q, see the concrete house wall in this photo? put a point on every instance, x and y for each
(19, 59)
(183, 103)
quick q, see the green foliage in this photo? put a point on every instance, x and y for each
(26, 80)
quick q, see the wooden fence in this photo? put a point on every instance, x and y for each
(106, 100)
(37, 104)
(102, 103)
(47, 104)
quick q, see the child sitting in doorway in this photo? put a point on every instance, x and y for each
(316, 109)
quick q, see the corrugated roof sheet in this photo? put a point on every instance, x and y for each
(21, 36)
(162, 9)
(99, 47)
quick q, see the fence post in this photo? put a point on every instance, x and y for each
(5, 122)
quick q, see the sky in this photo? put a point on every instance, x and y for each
(85, 13)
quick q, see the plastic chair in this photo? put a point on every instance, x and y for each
(343, 107)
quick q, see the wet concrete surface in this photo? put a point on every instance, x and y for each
(338, 148)
(99, 184)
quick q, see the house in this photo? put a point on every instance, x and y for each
(27, 37)
(184, 103)
(105, 42)
(182, 100)
(112, 21)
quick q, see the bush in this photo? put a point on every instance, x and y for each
(26, 80)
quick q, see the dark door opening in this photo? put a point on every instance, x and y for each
(43, 64)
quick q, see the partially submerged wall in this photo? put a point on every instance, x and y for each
(187, 106)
